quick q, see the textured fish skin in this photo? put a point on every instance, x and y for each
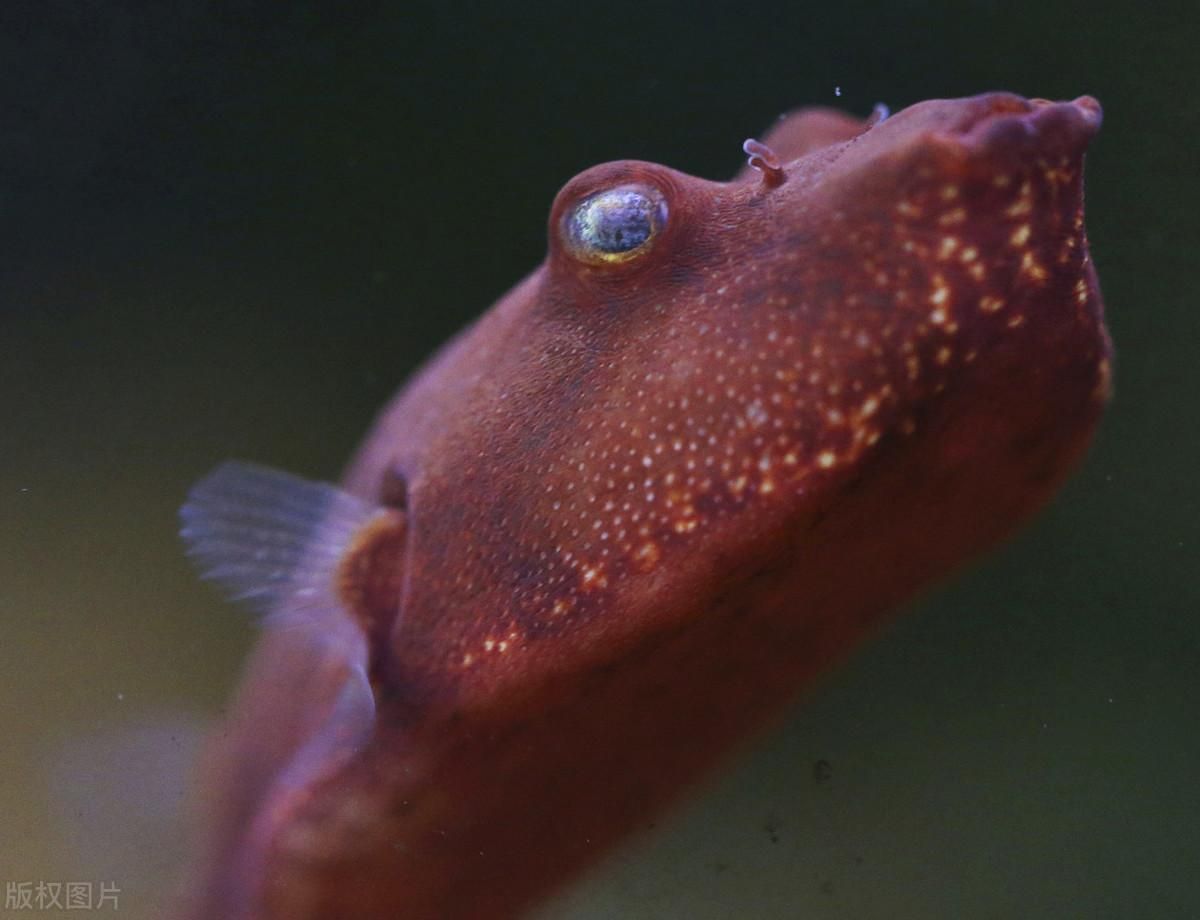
(647, 499)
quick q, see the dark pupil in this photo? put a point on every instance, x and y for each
(616, 221)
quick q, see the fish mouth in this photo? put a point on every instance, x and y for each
(1001, 121)
(978, 135)
(1002, 124)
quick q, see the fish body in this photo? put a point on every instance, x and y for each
(614, 527)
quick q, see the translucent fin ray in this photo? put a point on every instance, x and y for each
(270, 538)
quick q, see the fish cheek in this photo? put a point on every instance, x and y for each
(983, 264)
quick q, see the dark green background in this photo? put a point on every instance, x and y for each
(232, 229)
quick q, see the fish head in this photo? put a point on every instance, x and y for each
(700, 367)
(669, 478)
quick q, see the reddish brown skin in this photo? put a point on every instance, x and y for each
(877, 369)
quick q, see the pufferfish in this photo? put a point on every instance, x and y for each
(613, 528)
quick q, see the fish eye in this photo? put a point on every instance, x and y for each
(615, 225)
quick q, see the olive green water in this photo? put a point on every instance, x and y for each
(232, 230)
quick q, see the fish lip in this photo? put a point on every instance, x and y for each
(1003, 122)
(973, 136)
